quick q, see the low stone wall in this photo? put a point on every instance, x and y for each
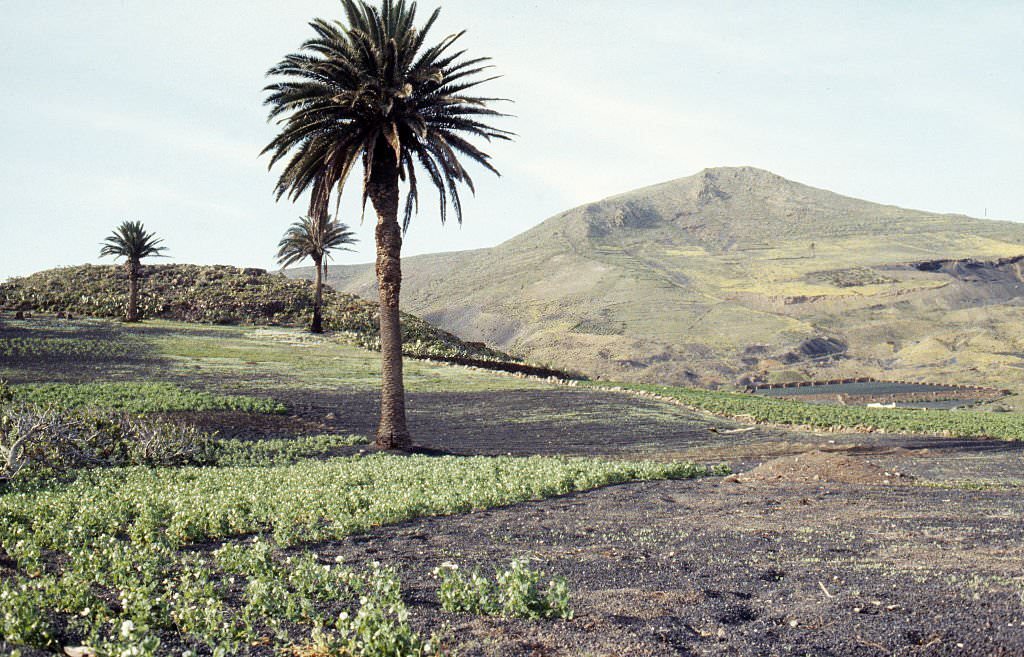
(512, 368)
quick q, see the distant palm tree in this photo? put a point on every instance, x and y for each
(131, 242)
(314, 239)
(371, 92)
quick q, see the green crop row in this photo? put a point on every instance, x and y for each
(959, 424)
(311, 500)
(139, 398)
(279, 451)
(66, 348)
(100, 560)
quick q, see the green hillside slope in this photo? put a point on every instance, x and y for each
(225, 295)
(736, 275)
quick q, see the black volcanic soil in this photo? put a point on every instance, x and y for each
(714, 567)
(828, 544)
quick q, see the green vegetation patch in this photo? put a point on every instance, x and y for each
(17, 348)
(515, 592)
(854, 277)
(280, 451)
(312, 500)
(226, 295)
(120, 580)
(957, 424)
(139, 398)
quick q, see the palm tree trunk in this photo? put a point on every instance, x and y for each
(382, 189)
(132, 314)
(318, 298)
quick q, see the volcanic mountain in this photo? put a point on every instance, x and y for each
(733, 276)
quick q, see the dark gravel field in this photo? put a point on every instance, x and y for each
(721, 568)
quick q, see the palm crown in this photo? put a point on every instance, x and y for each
(372, 84)
(311, 238)
(130, 240)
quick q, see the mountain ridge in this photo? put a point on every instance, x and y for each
(719, 278)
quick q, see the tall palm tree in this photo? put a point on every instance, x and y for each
(131, 242)
(370, 91)
(314, 239)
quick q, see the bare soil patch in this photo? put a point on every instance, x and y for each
(822, 467)
(715, 568)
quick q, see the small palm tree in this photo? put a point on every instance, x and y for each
(314, 239)
(373, 92)
(131, 242)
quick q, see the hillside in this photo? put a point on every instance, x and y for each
(225, 295)
(736, 275)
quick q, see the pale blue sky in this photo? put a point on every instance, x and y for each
(151, 110)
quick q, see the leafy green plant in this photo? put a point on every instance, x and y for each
(280, 451)
(517, 591)
(35, 349)
(473, 593)
(21, 622)
(130, 639)
(139, 398)
(6, 393)
(117, 534)
(380, 625)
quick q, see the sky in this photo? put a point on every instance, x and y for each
(152, 110)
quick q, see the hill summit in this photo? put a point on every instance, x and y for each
(732, 276)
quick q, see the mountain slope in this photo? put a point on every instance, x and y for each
(735, 275)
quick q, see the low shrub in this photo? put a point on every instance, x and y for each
(49, 439)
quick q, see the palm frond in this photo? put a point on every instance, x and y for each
(314, 238)
(131, 241)
(373, 81)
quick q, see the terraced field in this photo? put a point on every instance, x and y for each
(896, 394)
(293, 537)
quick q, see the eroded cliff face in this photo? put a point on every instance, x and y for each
(1001, 278)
